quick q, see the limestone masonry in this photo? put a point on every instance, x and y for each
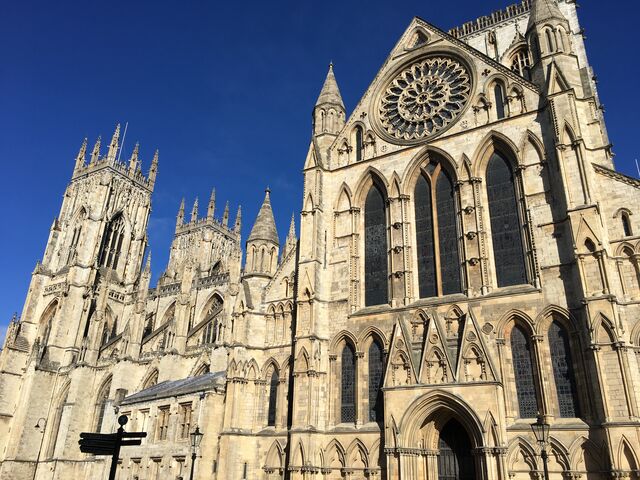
(468, 260)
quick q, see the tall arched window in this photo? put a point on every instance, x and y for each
(101, 405)
(348, 385)
(506, 231)
(523, 371)
(551, 46)
(436, 233)
(375, 250)
(376, 369)
(563, 371)
(54, 429)
(498, 91)
(273, 399)
(112, 243)
(359, 140)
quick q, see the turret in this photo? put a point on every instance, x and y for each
(238, 224)
(225, 215)
(95, 153)
(262, 244)
(329, 112)
(133, 161)
(153, 171)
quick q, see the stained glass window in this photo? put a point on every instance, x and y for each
(359, 144)
(447, 280)
(376, 368)
(273, 398)
(375, 256)
(448, 235)
(424, 236)
(523, 370)
(506, 234)
(348, 380)
(112, 243)
(563, 371)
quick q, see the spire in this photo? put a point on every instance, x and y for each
(238, 224)
(82, 155)
(290, 243)
(211, 210)
(147, 266)
(194, 211)
(264, 227)
(180, 218)
(153, 171)
(543, 10)
(113, 146)
(330, 92)
(133, 161)
(225, 215)
(95, 154)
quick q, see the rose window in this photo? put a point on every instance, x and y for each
(424, 98)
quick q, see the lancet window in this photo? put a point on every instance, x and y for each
(498, 91)
(376, 249)
(436, 233)
(359, 141)
(112, 243)
(101, 404)
(521, 62)
(563, 370)
(376, 369)
(273, 398)
(506, 228)
(348, 385)
(521, 354)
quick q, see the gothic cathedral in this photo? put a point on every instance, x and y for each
(468, 262)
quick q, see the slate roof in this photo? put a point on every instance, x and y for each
(173, 388)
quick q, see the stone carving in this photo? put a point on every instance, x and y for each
(424, 98)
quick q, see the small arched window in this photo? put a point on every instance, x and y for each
(101, 405)
(551, 45)
(273, 399)
(498, 91)
(520, 63)
(506, 231)
(359, 140)
(112, 243)
(376, 369)
(436, 233)
(523, 372)
(375, 251)
(563, 371)
(348, 385)
(626, 224)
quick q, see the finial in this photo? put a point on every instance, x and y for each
(238, 220)
(153, 171)
(147, 266)
(95, 154)
(225, 215)
(211, 210)
(194, 211)
(292, 226)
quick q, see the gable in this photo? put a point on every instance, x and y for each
(431, 85)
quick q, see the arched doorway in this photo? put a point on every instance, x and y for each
(455, 460)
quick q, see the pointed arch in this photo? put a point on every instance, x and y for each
(335, 456)
(521, 456)
(62, 397)
(376, 246)
(627, 458)
(150, 379)
(302, 361)
(375, 362)
(523, 369)
(370, 176)
(275, 457)
(343, 200)
(112, 241)
(348, 381)
(102, 400)
(357, 449)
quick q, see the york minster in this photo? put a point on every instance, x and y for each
(467, 266)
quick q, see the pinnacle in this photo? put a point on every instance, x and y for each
(330, 92)
(264, 227)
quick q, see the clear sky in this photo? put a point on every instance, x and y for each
(225, 91)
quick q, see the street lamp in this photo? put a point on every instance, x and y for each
(196, 438)
(541, 432)
(40, 425)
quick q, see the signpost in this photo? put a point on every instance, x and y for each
(110, 443)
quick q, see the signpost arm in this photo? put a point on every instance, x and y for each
(122, 420)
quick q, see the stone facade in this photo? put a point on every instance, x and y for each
(468, 259)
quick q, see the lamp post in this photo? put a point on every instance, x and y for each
(196, 438)
(541, 432)
(40, 425)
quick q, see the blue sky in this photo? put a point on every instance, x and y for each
(224, 91)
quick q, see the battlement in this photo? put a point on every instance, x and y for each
(106, 163)
(488, 21)
(208, 223)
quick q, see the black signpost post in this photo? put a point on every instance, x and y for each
(110, 443)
